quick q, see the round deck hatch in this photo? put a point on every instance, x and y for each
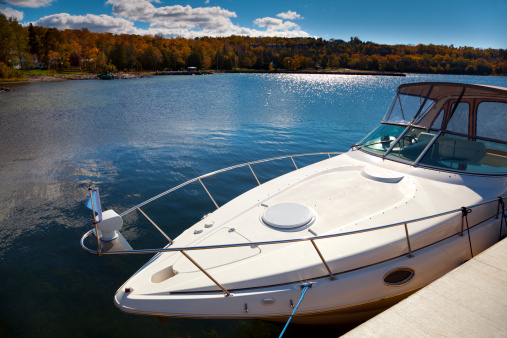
(287, 215)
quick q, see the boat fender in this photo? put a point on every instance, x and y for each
(110, 224)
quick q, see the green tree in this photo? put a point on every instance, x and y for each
(51, 43)
(194, 59)
(152, 58)
(35, 35)
(75, 60)
(6, 38)
(13, 43)
(119, 56)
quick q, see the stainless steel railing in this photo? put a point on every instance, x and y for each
(249, 164)
(313, 240)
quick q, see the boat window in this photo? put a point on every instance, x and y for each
(491, 120)
(406, 105)
(410, 146)
(459, 120)
(437, 124)
(381, 138)
(467, 154)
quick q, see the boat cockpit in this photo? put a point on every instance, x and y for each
(444, 126)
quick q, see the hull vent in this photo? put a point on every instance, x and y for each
(399, 276)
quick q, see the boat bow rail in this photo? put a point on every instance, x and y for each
(465, 227)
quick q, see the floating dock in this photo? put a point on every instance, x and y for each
(469, 301)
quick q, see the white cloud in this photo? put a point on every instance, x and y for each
(192, 22)
(277, 27)
(11, 12)
(289, 15)
(173, 17)
(170, 21)
(29, 3)
(95, 23)
(275, 24)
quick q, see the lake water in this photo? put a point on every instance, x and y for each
(134, 139)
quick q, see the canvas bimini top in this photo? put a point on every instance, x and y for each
(450, 126)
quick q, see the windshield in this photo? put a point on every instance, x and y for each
(448, 151)
(412, 144)
(444, 125)
(381, 138)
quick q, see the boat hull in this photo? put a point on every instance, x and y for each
(353, 296)
(349, 315)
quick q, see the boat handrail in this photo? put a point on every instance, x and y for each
(170, 248)
(249, 164)
(285, 241)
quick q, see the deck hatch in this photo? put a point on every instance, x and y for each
(288, 215)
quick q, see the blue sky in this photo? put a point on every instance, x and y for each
(481, 24)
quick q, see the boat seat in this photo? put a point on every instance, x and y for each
(459, 151)
(425, 137)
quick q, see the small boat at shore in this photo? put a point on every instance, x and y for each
(342, 239)
(107, 76)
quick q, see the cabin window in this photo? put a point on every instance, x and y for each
(399, 276)
(491, 120)
(380, 139)
(459, 120)
(437, 124)
(406, 105)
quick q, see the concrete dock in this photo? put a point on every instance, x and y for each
(470, 301)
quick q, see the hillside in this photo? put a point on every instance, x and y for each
(82, 50)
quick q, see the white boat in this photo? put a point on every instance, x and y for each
(421, 194)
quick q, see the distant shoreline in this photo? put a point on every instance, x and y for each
(92, 76)
(282, 71)
(316, 72)
(136, 75)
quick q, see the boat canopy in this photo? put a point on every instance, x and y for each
(453, 126)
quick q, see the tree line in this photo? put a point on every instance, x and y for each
(32, 46)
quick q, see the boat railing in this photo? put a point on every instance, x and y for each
(213, 173)
(500, 212)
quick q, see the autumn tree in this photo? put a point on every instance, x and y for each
(99, 51)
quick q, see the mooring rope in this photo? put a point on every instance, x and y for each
(464, 214)
(504, 217)
(305, 287)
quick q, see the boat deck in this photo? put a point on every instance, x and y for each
(469, 301)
